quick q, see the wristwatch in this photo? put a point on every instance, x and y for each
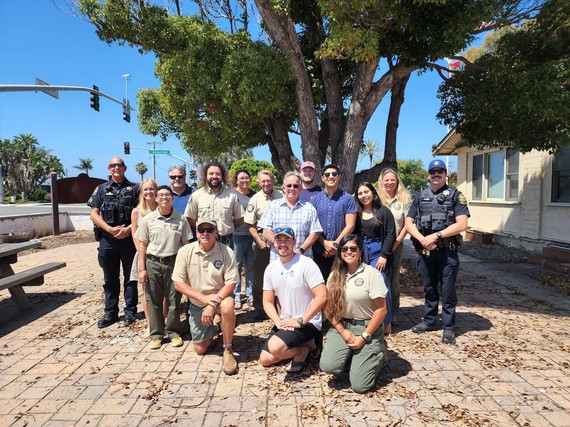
(439, 235)
(300, 321)
(367, 337)
(302, 250)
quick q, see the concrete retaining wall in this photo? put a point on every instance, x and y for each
(39, 225)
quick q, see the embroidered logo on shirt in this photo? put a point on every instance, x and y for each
(359, 282)
(250, 208)
(218, 264)
(174, 226)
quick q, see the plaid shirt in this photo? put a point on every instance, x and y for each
(302, 218)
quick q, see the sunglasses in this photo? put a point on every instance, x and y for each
(328, 174)
(436, 171)
(283, 230)
(176, 176)
(208, 230)
(292, 186)
(116, 165)
(352, 249)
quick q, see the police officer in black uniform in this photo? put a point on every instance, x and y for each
(111, 205)
(435, 220)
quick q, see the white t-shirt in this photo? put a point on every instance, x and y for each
(292, 283)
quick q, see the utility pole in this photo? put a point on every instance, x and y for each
(154, 158)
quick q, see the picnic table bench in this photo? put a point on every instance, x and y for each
(31, 277)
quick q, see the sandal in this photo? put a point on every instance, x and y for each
(296, 367)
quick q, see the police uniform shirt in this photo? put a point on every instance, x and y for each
(224, 207)
(119, 192)
(361, 288)
(459, 202)
(164, 235)
(207, 272)
(258, 204)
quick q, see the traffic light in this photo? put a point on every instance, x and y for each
(95, 99)
(126, 111)
(127, 147)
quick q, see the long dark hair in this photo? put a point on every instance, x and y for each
(376, 203)
(337, 279)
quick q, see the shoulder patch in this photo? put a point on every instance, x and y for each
(462, 199)
(250, 208)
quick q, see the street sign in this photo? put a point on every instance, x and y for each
(49, 92)
(159, 151)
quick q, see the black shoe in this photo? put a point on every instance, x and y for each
(106, 321)
(422, 327)
(129, 319)
(448, 336)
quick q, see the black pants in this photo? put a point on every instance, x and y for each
(112, 254)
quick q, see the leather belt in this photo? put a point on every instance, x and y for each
(356, 322)
(162, 260)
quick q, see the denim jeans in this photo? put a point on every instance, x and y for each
(372, 252)
(243, 248)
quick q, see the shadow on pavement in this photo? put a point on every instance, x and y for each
(12, 318)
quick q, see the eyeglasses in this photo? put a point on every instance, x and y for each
(284, 230)
(116, 165)
(352, 249)
(436, 171)
(204, 230)
(164, 196)
(292, 186)
(328, 174)
(176, 176)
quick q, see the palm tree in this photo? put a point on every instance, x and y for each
(371, 149)
(141, 168)
(85, 165)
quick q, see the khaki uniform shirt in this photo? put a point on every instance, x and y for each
(399, 211)
(163, 236)
(257, 205)
(224, 207)
(361, 289)
(207, 272)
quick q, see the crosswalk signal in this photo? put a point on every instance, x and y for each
(95, 99)
(126, 111)
(127, 147)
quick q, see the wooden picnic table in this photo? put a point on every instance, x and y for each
(32, 277)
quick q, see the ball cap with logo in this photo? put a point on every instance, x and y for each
(437, 164)
(308, 165)
(206, 221)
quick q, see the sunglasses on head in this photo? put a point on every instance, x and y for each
(436, 171)
(208, 230)
(328, 174)
(352, 249)
(176, 176)
(283, 230)
(292, 186)
(116, 165)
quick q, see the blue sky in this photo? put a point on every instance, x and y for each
(38, 40)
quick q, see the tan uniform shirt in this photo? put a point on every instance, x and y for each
(163, 236)
(399, 211)
(257, 205)
(224, 207)
(361, 289)
(207, 272)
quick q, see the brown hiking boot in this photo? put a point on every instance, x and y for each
(229, 365)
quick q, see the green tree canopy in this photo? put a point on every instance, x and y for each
(316, 73)
(413, 174)
(518, 94)
(27, 164)
(85, 165)
(253, 167)
(141, 169)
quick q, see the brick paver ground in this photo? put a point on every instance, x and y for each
(510, 366)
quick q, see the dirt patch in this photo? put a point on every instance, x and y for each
(71, 238)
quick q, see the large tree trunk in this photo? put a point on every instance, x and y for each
(283, 33)
(396, 101)
(282, 156)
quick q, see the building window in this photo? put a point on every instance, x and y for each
(561, 177)
(496, 176)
